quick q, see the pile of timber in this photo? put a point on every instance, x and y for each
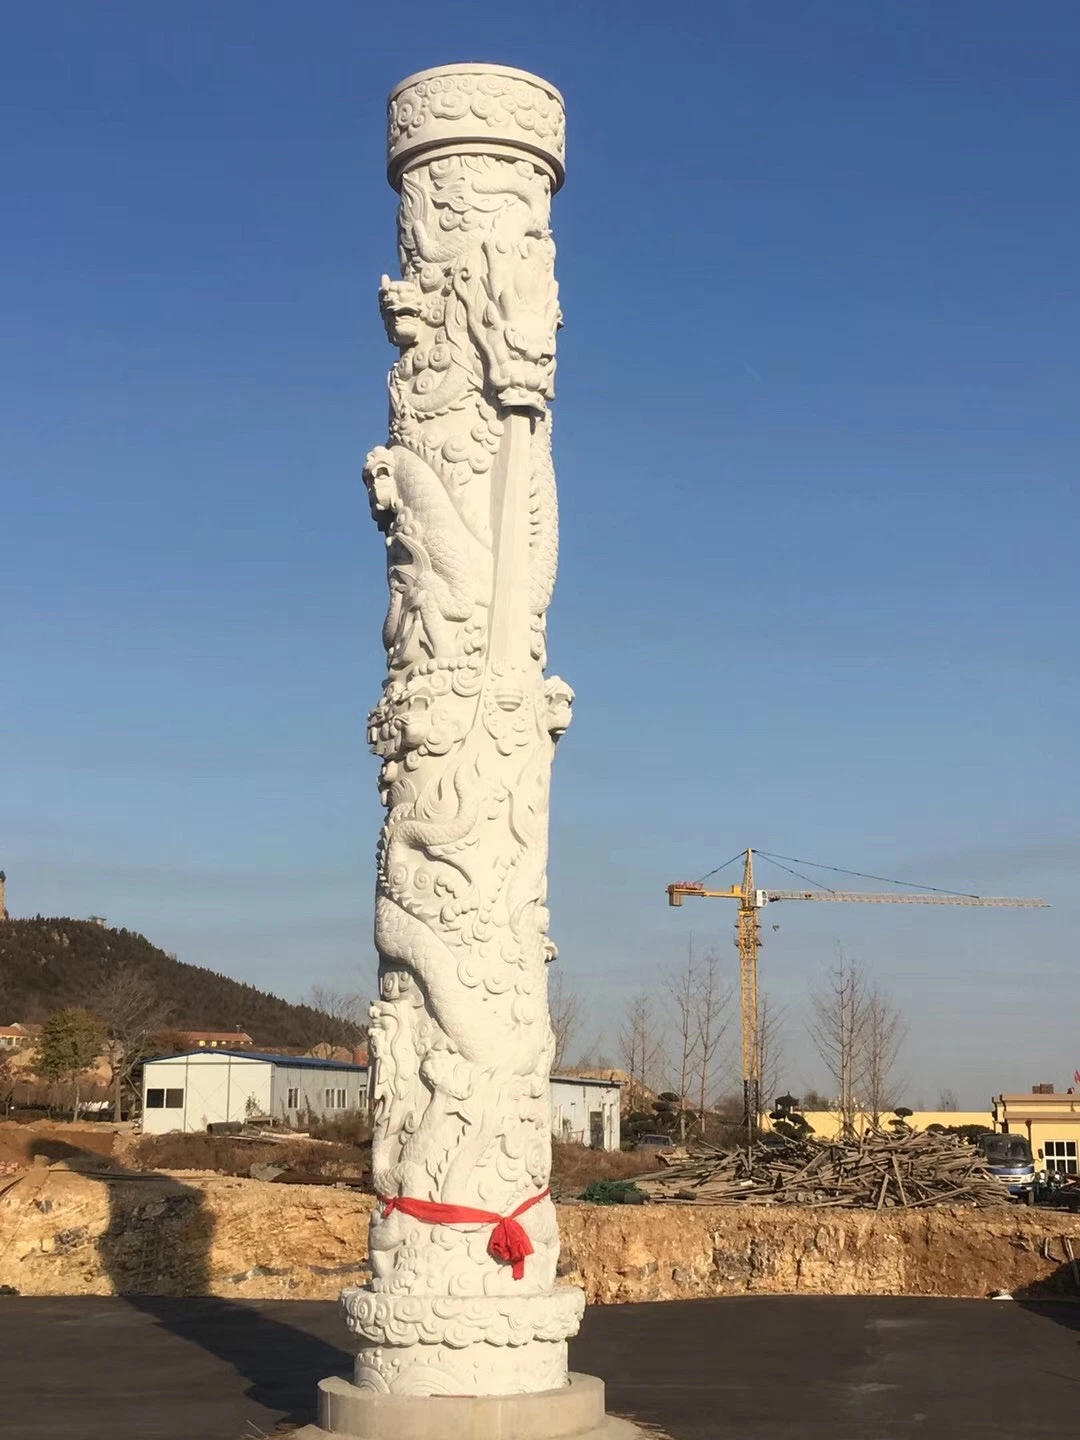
(875, 1172)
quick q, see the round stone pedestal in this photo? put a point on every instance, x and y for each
(415, 1345)
(576, 1410)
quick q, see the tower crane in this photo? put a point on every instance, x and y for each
(752, 899)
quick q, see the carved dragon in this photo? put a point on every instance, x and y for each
(464, 494)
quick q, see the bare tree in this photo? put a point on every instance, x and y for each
(594, 1057)
(133, 1015)
(347, 1009)
(838, 1030)
(713, 1019)
(681, 987)
(884, 1031)
(565, 1014)
(770, 1049)
(858, 1033)
(947, 1100)
(640, 1047)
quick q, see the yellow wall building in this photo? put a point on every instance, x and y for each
(1049, 1121)
(827, 1124)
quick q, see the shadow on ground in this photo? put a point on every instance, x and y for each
(157, 1248)
(1056, 1297)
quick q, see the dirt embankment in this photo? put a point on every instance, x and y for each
(67, 1233)
(670, 1252)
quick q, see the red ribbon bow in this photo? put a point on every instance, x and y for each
(508, 1241)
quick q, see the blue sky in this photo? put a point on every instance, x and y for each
(816, 442)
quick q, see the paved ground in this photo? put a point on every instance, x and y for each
(754, 1368)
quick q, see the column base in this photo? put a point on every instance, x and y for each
(577, 1410)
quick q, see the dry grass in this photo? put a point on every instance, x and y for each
(350, 1129)
(575, 1166)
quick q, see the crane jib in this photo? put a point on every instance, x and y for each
(758, 899)
(887, 898)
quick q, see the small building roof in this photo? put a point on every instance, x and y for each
(236, 1036)
(294, 1062)
(1041, 1097)
(587, 1080)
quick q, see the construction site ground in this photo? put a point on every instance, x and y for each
(159, 1304)
(757, 1368)
(77, 1220)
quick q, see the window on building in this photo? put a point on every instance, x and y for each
(292, 1101)
(1060, 1156)
(155, 1099)
(341, 1099)
(174, 1099)
(328, 1099)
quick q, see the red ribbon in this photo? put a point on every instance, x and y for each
(508, 1242)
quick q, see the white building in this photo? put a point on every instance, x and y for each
(206, 1087)
(585, 1111)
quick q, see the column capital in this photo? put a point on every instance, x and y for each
(475, 109)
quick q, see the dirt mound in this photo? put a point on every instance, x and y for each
(298, 1158)
(19, 1144)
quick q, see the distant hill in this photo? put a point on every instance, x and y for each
(49, 964)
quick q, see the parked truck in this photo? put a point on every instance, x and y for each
(1009, 1157)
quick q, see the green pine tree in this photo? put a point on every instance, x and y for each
(71, 1041)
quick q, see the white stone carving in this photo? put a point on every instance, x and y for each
(450, 1320)
(464, 493)
(483, 106)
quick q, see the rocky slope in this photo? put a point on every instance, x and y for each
(63, 1232)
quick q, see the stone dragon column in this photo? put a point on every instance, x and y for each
(464, 1243)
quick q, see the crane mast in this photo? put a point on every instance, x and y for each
(751, 899)
(749, 940)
